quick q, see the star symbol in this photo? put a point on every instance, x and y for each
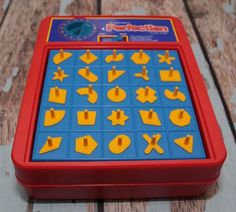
(165, 58)
(59, 75)
(118, 117)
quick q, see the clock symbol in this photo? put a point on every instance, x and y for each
(78, 29)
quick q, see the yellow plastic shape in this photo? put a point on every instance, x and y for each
(152, 144)
(166, 58)
(53, 117)
(114, 57)
(57, 95)
(90, 92)
(119, 144)
(59, 75)
(86, 117)
(51, 144)
(146, 94)
(61, 56)
(88, 57)
(143, 74)
(116, 94)
(176, 94)
(87, 74)
(114, 74)
(140, 57)
(85, 145)
(185, 143)
(118, 117)
(150, 117)
(170, 75)
(180, 117)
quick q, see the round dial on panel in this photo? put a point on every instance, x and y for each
(78, 29)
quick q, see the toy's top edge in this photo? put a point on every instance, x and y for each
(111, 29)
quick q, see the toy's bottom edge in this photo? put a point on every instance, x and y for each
(116, 191)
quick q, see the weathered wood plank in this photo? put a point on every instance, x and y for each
(4, 4)
(16, 44)
(215, 20)
(13, 197)
(221, 196)
(176, 8)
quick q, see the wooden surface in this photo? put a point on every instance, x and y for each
(211, 27)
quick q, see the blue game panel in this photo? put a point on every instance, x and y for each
(96, 153)
(128, 154)
(82, 100)
(97, 62)
(108, 102)
(74, 122)
(165, 101)
(154, 155)
(138, 103)
(103, 131)
(151, 73)
(148, 52)
(61, 126)
(45, 96)
(173, 53)
(79, 80)
(107, 124)
(69, 62)
(68, 80)
(55, 155)
(122, 80)
(179, 153)
(139, 123)
(167, 83)
(172, 127)
(114, 63)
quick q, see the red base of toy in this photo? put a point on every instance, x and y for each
(117, 191)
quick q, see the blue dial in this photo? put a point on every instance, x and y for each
(77, 29)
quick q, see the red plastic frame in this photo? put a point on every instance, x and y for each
(116, 172)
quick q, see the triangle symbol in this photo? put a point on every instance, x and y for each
(181, 142)
(112, 77)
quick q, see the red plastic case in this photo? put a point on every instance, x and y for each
(116, 179)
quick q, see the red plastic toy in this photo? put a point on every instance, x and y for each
(115, 179)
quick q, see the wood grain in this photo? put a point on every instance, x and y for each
(81, 7)
(17, 38)
(216, 22)
(4, 4)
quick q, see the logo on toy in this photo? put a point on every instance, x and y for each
(136, 28)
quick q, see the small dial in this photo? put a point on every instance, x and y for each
(78, 29)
